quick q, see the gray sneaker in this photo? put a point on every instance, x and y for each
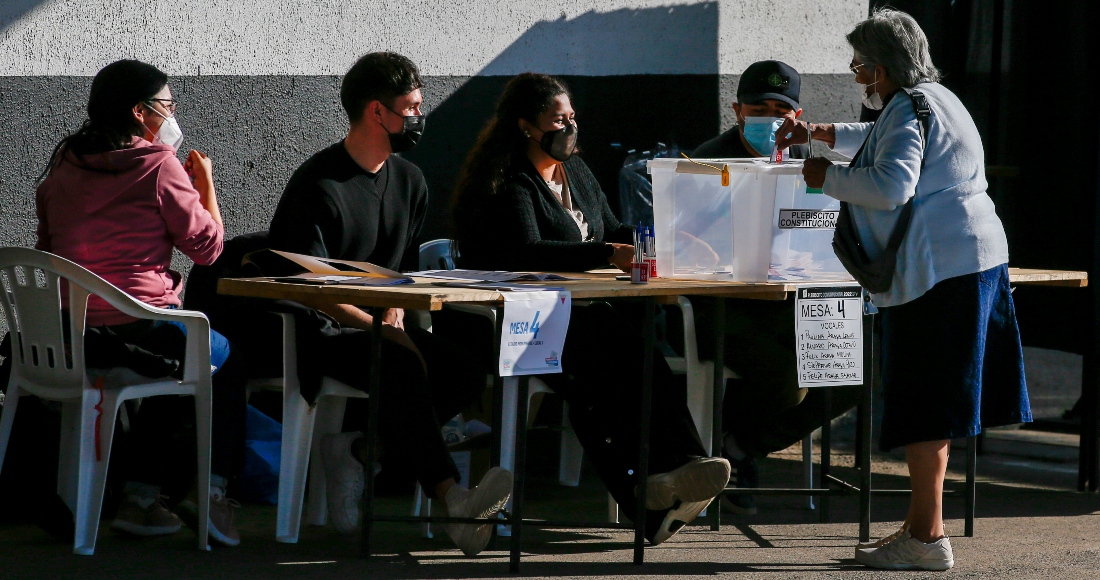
(908, 553)
(145, 517)
(344, 480)
(699, 480)
(484, 501)
(219, 524)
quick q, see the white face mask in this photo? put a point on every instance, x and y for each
(169, 132)
(872, 101)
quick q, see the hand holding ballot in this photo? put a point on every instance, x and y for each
(813, 171)
(797, 132)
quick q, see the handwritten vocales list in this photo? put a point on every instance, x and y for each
(829, 334)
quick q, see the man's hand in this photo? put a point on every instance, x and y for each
(394, 317)
(813, 171)
(355, 317)
(796, 132)
(792, 132)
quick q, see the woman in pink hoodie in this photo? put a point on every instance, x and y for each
(116, 200)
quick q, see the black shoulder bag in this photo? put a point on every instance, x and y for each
(876, 276)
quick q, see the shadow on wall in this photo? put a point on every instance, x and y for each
(664, 88)
(12, 10)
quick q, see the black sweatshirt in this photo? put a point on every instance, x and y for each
(333, 208)
(526, 227)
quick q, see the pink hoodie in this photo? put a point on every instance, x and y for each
(119, 214)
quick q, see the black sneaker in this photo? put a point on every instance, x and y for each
(743, 474)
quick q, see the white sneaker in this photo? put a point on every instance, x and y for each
(678, 517)
(909, 553)
(484, 501)
(698, 480)
(890, 538)
(344, 480)
(883, 541)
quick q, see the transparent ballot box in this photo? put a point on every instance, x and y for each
(764, 225)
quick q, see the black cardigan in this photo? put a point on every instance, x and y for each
(526, 227)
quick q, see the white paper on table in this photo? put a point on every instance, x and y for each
(533, 333)
(829, 335)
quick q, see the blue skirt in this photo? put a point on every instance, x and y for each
(952, 362)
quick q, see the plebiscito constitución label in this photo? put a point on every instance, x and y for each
(813, 219)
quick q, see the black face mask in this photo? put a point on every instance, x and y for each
(561, 143)
(409, 135)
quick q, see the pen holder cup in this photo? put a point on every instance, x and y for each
(639, 272)
(652, 262)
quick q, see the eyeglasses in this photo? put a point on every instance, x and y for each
(854, 66)
(170, 104)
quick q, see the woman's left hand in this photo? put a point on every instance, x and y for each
(813, 171)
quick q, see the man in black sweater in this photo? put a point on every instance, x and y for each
(357, 201)
(764, 411)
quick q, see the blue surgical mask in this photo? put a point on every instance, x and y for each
(760, 133)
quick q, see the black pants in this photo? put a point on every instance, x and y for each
(601, 380)
(414, 400)
(766, 411)
(160, 419)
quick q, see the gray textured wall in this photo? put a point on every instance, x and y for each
(258, 80)
(259, 129)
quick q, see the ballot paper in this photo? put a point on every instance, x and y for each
(489, 276)
(303, 269)
(829, 335)
(326, 279)
(533, 332)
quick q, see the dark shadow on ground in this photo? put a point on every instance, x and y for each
(783, 527)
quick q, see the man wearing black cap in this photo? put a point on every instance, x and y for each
(766, 94)
(764, 411)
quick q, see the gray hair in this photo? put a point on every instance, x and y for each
(893, 39)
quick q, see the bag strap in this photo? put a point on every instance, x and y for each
(924, 119)
(924, 114)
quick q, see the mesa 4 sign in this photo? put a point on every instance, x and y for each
(829, 335)
(533, 332)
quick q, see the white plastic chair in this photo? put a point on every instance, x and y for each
(44, 365)
(700, 382)
(303, 427)
(700, 387)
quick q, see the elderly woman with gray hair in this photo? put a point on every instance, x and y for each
(920, 233)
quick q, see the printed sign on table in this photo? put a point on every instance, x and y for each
(829, 335)
(533, 334)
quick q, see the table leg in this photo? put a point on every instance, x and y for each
(520, 470)
(864, 452)
(719, 386)
(1089, 471)
(498, 395)
(971, 486)
(374, 393)
(1093, 418)
(649, 342)
(826, 451)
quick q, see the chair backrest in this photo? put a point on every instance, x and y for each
(45, 353)
(437, 255)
